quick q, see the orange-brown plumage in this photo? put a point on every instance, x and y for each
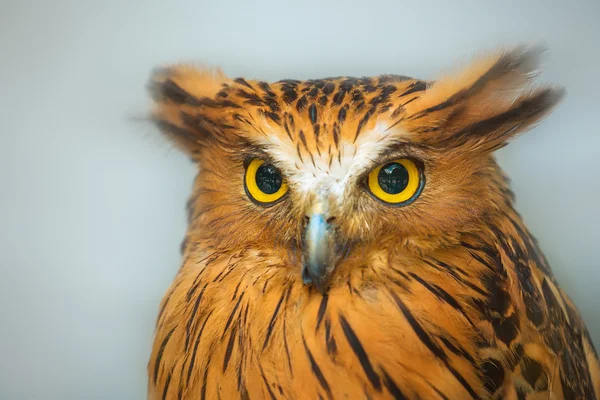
(446, 297)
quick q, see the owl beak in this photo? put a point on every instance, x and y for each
(318, 252)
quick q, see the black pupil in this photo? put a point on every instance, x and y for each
(393, 178)
(268, 179)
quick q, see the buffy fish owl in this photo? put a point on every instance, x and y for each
(354, 238)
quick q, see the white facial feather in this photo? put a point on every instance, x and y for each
(353, 159)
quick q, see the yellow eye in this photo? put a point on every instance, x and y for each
(398, 182)
(264, 183)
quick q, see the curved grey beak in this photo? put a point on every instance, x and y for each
(318, 254)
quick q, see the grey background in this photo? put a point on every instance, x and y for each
(92, 205)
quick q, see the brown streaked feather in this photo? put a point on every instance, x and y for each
(447, 298)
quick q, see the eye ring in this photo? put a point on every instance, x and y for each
(397, 183)
(263, 183)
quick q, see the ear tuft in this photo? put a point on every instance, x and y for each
(184, 84)
(493, 133)
(179, 92)
(474, 105)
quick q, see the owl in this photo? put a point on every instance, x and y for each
(354, 238)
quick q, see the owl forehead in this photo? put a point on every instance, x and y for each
(323, 133)
(314, 166)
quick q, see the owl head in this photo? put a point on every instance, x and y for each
(313, 172)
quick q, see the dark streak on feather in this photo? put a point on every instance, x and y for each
(303, 139)
(264, 378)
(430, 344)
(229, 349)
(444, 267)
(193, 359)
(339, 97)
(442, 295)
(230, 318)
(284, 295)
(192, 317)
(321, 313)
(312, 113)
(205, 380)
(159, 355)
(167, 383)
(336, 134)
(531, 370)
(493, 375)
(287, 348)
(302, 102)
(329, 339)
(392, 387)
(169, 90)
(299, 153)
(342, 115)
(316, 370)
(363, 121)
(242, 81)
(417, 86)
(360, 353)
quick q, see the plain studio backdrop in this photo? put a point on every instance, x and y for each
(92, 205)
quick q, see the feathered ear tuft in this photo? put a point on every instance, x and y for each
(180, 93)
(484, 105)
(184, 84)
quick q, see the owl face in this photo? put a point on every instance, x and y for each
(321, 169)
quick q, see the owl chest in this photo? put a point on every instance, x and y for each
(376, 342)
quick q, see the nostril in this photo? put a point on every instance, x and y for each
(329, 220)
(306, 278)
